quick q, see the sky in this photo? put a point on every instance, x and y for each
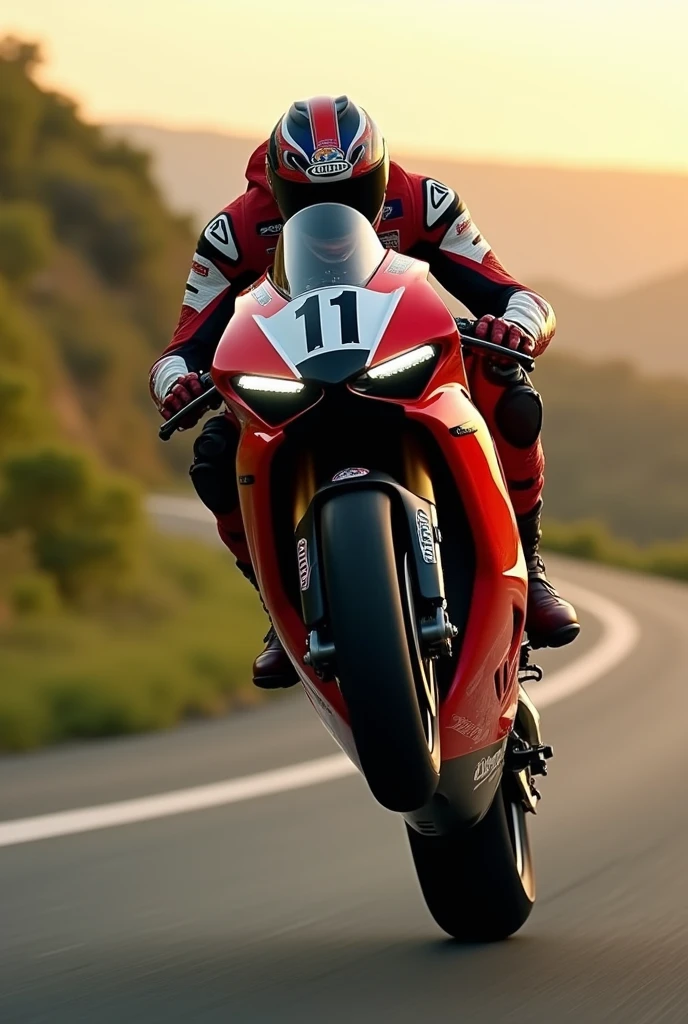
(574, 82)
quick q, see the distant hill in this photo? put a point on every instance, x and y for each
(616, 447)
(645, 326)
(593, 231)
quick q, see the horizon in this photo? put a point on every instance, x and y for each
(599, 84)
(473, 160)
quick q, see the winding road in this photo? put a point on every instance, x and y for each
(187, 877)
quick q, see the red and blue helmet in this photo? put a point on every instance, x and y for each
(327, 150)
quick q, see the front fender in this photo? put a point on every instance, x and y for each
(416, 516)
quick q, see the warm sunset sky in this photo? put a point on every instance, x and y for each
(597, 82)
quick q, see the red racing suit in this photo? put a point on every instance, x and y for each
(422, 218)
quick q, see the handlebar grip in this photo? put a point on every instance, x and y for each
(466, 326)
(203, 402)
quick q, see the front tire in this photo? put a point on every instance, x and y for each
(479, 885)
(367, 599)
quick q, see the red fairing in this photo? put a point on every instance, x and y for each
(473, 716)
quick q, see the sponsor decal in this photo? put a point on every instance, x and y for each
(199, 268)
(392, 209)
(487, 767)
(438, 199)
(261, 295)
(469, 427)
(349, 474)
(328, 161)
(203, 286)
(304, 563)
(426, 536)
(464, 239)
(465, 727)
(399, 265)
(329, 154)
(219, 234)
(269, 228)
(390, 239)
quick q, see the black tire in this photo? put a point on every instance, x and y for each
(480, 885)
(366, 596)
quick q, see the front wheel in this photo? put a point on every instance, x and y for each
(388, 693)
(479, 885)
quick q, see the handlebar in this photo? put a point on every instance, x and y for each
(468, 340)
(465, 326)
(199, 404)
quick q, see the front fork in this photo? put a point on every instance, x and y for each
(414, 501)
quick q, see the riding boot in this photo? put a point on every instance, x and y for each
(272, 669)
(550, 620)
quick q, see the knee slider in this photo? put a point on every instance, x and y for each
(518, 413)
(213, 471)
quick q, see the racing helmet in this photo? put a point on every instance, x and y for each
(327, 150)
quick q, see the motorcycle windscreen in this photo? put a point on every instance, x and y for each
(323, 246)
(330, 329)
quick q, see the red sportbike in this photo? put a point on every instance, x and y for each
(359, 443)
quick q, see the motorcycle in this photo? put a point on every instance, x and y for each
(387, 553)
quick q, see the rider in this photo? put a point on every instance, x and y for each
(329, 150)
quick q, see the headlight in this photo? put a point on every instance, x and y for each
(404, 376)
(400, 364)
(273, 385)
(275, 399)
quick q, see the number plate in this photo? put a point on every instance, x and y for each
(329, 320)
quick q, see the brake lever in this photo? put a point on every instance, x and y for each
(203, 402)
(466, 327)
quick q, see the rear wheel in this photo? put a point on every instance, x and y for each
(381, 676)
(479, 885)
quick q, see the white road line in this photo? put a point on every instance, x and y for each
(179, 508)
(620, 634)
(197, 798)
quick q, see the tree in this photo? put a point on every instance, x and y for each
(26, 242)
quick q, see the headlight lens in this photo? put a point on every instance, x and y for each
(404, 376)
(275, 399)
(270, 385)
(402, 363)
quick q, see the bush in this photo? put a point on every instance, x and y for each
(593, 542)
(33, 593)
(83, 524)
(72, 676)
(26, 243)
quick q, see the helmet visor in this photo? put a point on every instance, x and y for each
(365, 193)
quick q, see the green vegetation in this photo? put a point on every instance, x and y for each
(592, 541)
(93, 263)
(104, 628)
(179, 645)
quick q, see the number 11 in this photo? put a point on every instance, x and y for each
(348, 317)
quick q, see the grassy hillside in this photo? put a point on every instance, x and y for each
(103, 627)
(93, 261)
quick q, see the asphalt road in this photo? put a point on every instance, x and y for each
(302, 906)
